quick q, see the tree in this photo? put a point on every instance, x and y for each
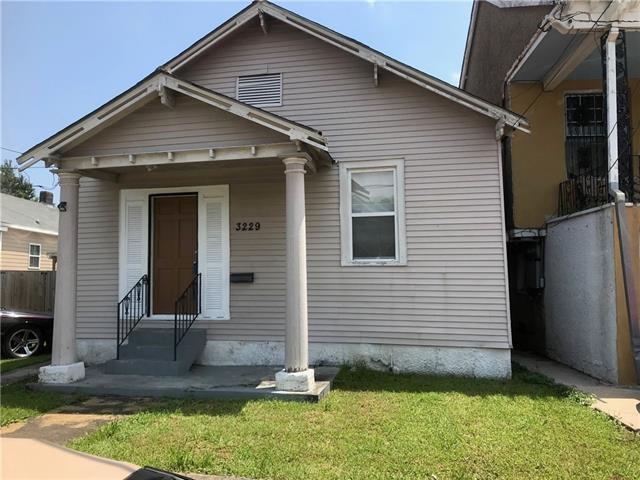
(15, 184)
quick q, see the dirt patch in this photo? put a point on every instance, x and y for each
(66, 423)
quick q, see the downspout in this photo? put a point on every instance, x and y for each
(626, 253)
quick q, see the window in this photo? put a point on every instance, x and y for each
(586, 135)
(372, 211)
(260, 90)
(34, 255)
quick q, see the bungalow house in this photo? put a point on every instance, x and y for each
(280, 194)
(572, 185)
(28, 233)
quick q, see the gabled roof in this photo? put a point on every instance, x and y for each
(164, 77)
(150, 87)
(261, 8)
(28, 215)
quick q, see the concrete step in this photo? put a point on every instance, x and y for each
(154, 336)
(149, 351)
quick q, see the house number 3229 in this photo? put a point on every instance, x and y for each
(247, 226)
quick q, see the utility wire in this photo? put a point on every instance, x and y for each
(12, 150)
(595, 24)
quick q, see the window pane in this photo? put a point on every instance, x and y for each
(374, 237)
(34, 249)
(34, 262)
(372, 192)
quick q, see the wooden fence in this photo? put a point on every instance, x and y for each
(28, 290)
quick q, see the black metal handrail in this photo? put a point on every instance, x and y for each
(133, 306)
(188, 307)
(581, 193)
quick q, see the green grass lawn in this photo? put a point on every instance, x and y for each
(383, 426)
(8, 364)
(19, 403)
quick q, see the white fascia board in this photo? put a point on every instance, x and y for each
(253, 114)
(526, 53)
(344, 43)
(154, 86)
(419, 78)
(214, 37)
(107, 113)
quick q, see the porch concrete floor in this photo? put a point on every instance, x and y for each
(618, 401)
(217, 382)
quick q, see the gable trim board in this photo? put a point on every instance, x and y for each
(354, 47)
(135, 251)
(145, 91)
(156, 82)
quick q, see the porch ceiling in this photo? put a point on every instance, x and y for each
(555, 48)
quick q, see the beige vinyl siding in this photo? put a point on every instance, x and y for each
(452, 291)
(189, 124)
(15, 249)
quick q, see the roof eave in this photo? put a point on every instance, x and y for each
(110, 113)
(345, 43)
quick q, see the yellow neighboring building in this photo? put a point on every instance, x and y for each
(573, 70)
(540, 161)
(28, 234)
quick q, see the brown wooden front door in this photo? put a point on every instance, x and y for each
(175, 244)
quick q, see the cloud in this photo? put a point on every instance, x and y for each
(455, 77)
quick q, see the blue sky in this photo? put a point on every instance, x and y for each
(60, 60)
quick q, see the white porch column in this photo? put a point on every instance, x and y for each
(296, 376)
(612, 110)
(65, 367)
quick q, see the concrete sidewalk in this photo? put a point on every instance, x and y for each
(619, 402)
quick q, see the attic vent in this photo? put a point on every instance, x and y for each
(261, 90)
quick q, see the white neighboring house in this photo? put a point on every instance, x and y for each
(319, 201)
(28, 233)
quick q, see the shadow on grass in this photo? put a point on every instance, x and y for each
(21, 403)
(522, 383)
(350, 379)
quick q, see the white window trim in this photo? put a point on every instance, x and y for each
(39, 256)
(346, 243)
(202, 192)
(261, 105)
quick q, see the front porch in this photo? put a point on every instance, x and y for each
(148, 225)
(201, 382)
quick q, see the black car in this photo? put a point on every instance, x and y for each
(25, 333)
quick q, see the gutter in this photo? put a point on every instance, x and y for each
(624, 239)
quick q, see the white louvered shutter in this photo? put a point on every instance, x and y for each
(261, 90)
(133, 240)
(214, 259)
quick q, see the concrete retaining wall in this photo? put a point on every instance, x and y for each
(580, 293)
